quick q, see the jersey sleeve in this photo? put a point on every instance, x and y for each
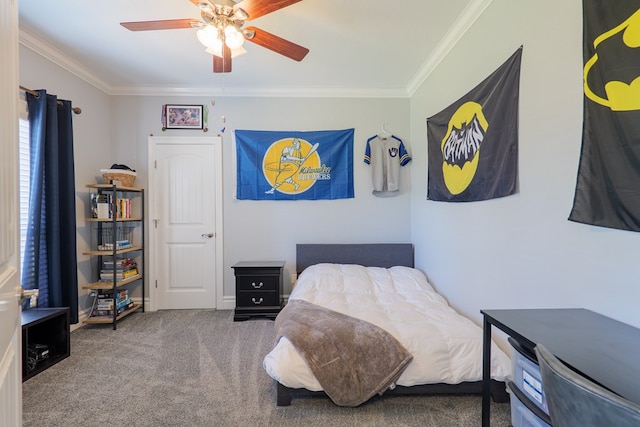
(367, 152)
(404, 155)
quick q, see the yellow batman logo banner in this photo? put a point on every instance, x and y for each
(607, 192)
(619, 95)
(473, 143)
(461, 146)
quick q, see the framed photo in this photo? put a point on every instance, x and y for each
(184, 116)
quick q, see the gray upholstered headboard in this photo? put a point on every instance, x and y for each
(367, 254)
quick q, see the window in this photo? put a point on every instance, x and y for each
(24, 179)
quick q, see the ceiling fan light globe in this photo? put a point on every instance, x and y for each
(208, 36)
(205, 7)
(206, 33)
(240, 14)
(234, 43)
(214, 51)
(233, 37)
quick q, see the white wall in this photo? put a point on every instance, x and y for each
(521, 251)
(269, 230)
(114, 129)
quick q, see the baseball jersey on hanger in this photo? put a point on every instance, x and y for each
(385, 155)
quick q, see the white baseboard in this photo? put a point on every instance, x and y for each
(228, 303)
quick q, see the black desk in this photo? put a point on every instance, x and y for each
(600, 348)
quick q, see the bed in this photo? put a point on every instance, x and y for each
(377, 284)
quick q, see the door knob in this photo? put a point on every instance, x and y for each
(207, 235)
(31, 295)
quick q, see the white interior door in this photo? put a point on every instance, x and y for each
(10, 335)
(184, 235)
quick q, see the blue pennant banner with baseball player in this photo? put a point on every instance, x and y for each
(607, 190)
(312, 165)
(473, 143)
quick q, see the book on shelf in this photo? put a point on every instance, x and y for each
(105, 299)
(120, 295)
(107, 304)
(122, 268)
(107, 275)
(103, 304)
(122, 206)
(97, 312)
(120, 244)
(123, 264)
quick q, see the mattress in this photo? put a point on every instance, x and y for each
(446, 346)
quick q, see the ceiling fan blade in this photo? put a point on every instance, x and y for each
(222, 65)
(275, 43)
(168, 24)
(258, 8)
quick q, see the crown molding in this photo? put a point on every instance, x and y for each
(30, 41)
(469, 15)
(46, 50)
(303, 92)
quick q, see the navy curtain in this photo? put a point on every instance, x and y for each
(50, 262)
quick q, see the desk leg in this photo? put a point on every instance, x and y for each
(486, 372)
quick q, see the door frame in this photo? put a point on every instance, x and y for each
(152, 209)
(10, 288)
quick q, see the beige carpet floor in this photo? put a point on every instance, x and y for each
(199, 368)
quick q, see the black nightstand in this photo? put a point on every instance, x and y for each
(258, 289)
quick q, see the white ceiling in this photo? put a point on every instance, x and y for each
(366, 47)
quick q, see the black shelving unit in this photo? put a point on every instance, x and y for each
(109, 233)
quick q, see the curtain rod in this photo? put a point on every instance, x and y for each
(76, 110)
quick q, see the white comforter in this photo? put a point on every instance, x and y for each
(446, 347)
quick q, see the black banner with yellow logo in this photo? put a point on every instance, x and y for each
(473, 143)
(608, 184)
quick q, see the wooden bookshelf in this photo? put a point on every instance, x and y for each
(110, 233)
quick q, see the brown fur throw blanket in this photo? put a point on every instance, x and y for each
(352, 359)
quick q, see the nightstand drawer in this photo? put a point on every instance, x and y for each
(257, 283)
(257, 299)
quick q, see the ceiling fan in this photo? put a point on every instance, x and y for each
(221, 29)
